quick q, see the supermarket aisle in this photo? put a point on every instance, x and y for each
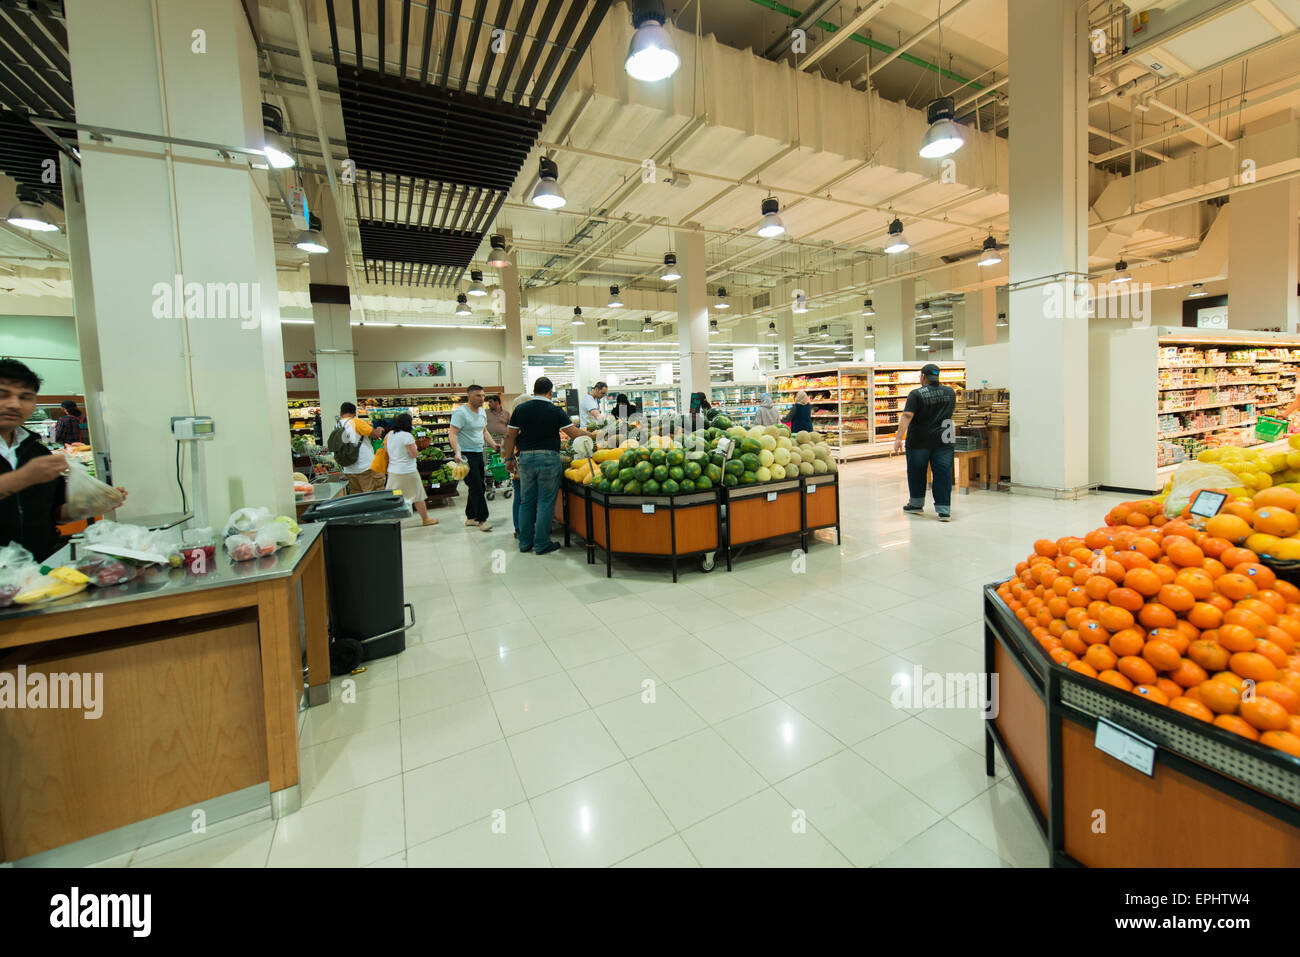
(512, 731)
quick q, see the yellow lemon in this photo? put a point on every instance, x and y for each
(1262, 544)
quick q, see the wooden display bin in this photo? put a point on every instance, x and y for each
(644, 526)
(760, 513)
(1213, 799)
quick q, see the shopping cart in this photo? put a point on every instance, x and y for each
(496, 474)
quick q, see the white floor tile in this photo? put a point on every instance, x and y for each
(448, 794)
(784, 670)
(777, 740)
(671, 852)
(354, 829)
(943, 845)
(247, 847)
(761, 831)
(537, 702)
(505, 840)
(928, 763)
(562, 751)
(344, 764)
(437, 689)
(696, 776)
(1001, 821)
(721, 692)
(434, 735)
(679, 657)
(846, 709)
(638, 724)
(600, 819)
(612, 678)
(515, 666)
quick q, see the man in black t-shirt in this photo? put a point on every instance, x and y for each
(534, 433)
(927, 425)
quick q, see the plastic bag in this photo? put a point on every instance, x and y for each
(240, 547)
(162, 548)
(105, 571)
(87, 495)
(246, 520)
(17, 570)
(1190, 478)
(59, 583)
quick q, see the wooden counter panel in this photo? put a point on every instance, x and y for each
(753, 518)
(631, 530)
(697, 528)
(182, 722)
(577, 514)
(1169, 820)
(821, 507)
(1022, 721)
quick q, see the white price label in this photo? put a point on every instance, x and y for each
(1125, 746)
(811, 489)
(648, 508)
(771, 496)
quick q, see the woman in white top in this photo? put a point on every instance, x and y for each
(402, 472)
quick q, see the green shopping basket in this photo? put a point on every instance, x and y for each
(1270, 428)
(498, 469)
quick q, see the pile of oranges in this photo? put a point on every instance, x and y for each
(1183, 617)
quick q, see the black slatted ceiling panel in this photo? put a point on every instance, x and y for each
(441, 118)
(35, 80)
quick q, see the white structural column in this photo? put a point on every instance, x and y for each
(336, 369)
(959, 329)
(895, 321)
(1048, 66)
(1262, 258)
(184, 277)
(858, 324)
(513, 361)
(980, 317)
(744, 357)
(692, 315)
(784, 338)
(586, 367)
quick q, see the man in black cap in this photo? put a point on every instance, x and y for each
(926, 424)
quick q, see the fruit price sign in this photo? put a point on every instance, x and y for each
(424, 370)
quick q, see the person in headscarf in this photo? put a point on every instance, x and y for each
(766, 413)
(799, 418)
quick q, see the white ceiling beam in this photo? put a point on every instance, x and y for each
(1278, 20)
(832, 42)
(917, 37)
(1188, 25)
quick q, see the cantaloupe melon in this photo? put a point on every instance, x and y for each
(764, 474)
(778, 472)
(765, 458)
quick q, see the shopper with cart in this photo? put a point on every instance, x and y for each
(467, 435)
(926, 424)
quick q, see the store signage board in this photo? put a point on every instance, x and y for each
(543, 330)
(771, 496)
(545, 361)
(1135, 751)
(1212, 317)
(428, 369)
(1207, 503)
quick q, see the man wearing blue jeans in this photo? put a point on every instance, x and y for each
(927, 426)
(534, 436)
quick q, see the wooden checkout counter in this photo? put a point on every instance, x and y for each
(202, 681)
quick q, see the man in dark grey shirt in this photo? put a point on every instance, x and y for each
(926, 424)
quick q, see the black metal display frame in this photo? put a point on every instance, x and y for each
(784, 485)
(1055, 686)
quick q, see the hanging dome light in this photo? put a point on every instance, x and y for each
(771, 328)
(1002, 320)
(275, 146)
(825, 331)
(615, 300)
(925, 312)
(800, 304)
(577, 317)
(650, 56)
(498, 259)
(547, 193)
(721, 302)
(462, 305)
(670, 273)
(870, 332)
(989, 252)
(944, 135)
(867, 308)
(476, 283)
(30, 213)
(771, 224)
(713, 327)
(897, 242)
(310, 240)
(1198, 290)
(528, 344)
(647, 327)
(1121, 273)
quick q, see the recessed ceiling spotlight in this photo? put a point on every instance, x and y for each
(770, 225)
(647, 326)
(944, 135)
(547, 193)
(528, 344)
(897, 241)
(925, 312)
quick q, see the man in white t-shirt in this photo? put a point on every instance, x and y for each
(589, 404)
(357, 430)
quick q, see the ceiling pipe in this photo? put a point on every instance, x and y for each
(831, 43)
(917, 37)
(807, 20)
(1187, 119)
(1191, 23)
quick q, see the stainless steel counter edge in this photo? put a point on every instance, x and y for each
(170, 582)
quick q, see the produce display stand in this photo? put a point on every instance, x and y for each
(1213, 798)
(773, 510)
(644, 526)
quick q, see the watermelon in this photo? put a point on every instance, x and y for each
(651, 487)
(677, 473)
(748, 478)
(713, 433)
(657, 457)
(626, 475)
(669, 487)
(687, 486)
(699, 457)
(734, 467)
(712, 472)
(751, 461)
(609, 469)
(718, 459)
(721, 421)
(730, 481)
(632, 488)
(693, 470)
(643, 454)
(675, 457)
(703, 484)
(660, 473)
(628, 459)
(644, 471)
(602, 485)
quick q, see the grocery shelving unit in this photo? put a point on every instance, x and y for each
(431, 409)
(856, 405)
(655, 400)
(1160, 395)
(739, 399)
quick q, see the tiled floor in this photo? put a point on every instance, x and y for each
(548, 716)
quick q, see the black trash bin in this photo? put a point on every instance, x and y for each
(363, 566)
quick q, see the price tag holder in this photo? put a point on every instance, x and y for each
(648, 508)
(811, 489)
(771, 496)
(1123, 745)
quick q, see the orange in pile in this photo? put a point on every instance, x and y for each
(1162, 609)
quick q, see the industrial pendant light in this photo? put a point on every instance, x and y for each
(547, 193)
(647, 327)
(1002, 320)
(529, 343)
(867, 308)
(771, 328)
(721, 302)
(650, 56)
(925, 312)
(1121, 273)
(310, 240)
(770, 225)
(462, 305)
(800, 304)
(897, 242)
(944, 135)
(577, 317)
(670, 273)
(870, 332)
(1198, 290)
(30, 213)
(498, 259)
(275, 146)
(713, 327)
(989, 252)
(615, 300)
(825, 331)
(476, 283)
